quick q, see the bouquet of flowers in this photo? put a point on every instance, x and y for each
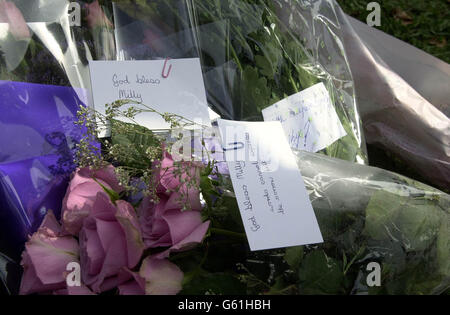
(152, 225)
(130, 214)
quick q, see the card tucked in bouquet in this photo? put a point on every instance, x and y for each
(309, 119)
(167, 86)
(270, 191)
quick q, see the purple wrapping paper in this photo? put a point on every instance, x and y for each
(37, 141)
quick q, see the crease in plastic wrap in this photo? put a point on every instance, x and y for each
(367, 216)
(251, 57)
(44, 79)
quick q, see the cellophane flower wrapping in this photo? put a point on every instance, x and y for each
(367, 216)
(253, 54)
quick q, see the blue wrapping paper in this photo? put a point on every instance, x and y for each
(37, 142)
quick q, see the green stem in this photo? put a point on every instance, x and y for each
(236, 58)
(291, 79)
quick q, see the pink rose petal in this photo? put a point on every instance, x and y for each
(192, 240)
(161, 277)
(126, 216)
(47, 255)
(9, 13)
(132, 283)
(181, 224)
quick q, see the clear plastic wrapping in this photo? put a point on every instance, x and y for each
(367, 216)
(252, 56)
(403, 97)
(403, 225)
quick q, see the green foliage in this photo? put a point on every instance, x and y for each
(215, 283)
(424, 24)
(133, 146)
(412, 223)
(271, 63)
(294, 257)
(320, 274)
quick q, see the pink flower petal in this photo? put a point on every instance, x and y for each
(126, 216)
(192, 240)
(91, 246)
(132, 283)
(160, 241)
(9, 13)
(50, 254)
(50, 224)
(96, 16)
(103, 208)
(81, 290)
(155, 230)
(78, 204)
(81, 196)
(181, 224)
(185, 197)
(161, 277)
(111, 236)
(46, 258)
(106, 177)
(131, 288)
(113, 241)
(30, 283)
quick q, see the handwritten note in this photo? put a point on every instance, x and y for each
(182, 92)
(270, 191)
(309, 119)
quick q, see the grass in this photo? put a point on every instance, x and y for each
(423, 24)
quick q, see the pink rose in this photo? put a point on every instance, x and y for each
(82, 193)
(45, 259)
(81, 290)
(10, 14)
(96, 16)
(165, 224)
(156, 277)
(110, 240)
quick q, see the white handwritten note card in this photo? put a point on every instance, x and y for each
(270, 190)
(182, 92)
(309, 119)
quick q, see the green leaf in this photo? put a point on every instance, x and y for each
(320, 274)
(294, 256)
(214, 283)
(207, 188)
(412, 222)
(255, 92)
(282, 287)
(113, 195)
(136, 140)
